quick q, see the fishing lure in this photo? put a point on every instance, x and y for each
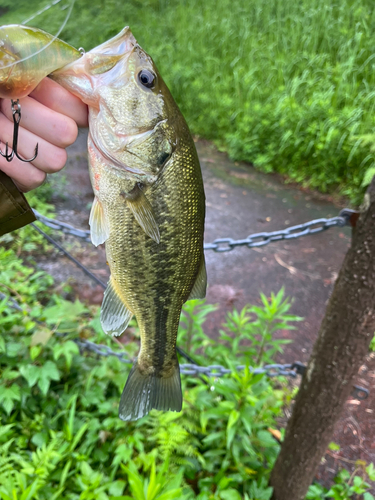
(27, 55)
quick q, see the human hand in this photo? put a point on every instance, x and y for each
(50, 117)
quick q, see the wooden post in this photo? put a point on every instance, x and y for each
(344, 337)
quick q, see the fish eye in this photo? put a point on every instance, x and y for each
(146, 78)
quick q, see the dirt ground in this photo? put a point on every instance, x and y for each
(241, 201)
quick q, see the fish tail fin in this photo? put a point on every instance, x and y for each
(142, 393)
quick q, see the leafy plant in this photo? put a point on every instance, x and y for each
(157, 487)
(347, 485)
(248, 334)
(60, 435)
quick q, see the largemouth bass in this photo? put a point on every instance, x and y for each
(149, 209)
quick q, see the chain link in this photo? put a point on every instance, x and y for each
(62, 226)
(289, 370)
(227, 244)
(215, 371)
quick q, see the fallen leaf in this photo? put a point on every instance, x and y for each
(41, 337)
(275, 433)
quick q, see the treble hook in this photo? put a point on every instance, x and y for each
(16, 112)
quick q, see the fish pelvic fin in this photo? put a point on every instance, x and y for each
(114, 315)
(199, 288)
(142, 393)
(143, 213)
(98, 223)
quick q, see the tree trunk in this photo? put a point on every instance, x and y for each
(344, 337)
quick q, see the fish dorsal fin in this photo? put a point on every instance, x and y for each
(199, 288)
(143, 213)
(114, 315)
(98, 223)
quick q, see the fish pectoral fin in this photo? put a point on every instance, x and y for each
(199, 288)
(98, 223)
(143, 213)
(114, 315)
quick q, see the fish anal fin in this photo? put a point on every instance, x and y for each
(199, 288)
(142, 393)
(143, 213)
(98, 223)
(114, 315)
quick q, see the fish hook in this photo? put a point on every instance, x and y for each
(16, 112)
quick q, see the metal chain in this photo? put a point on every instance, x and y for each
(262, 239)
(346, 217)
(216, 371)
(62, 226)
(289, 370)
(228, 244)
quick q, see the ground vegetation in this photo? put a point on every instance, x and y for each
(287, 86)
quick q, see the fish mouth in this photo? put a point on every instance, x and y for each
(123, 43)
(98, 61)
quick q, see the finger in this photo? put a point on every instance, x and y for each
(25, 175)
(54, 127)
(50, 157)
(52, 95)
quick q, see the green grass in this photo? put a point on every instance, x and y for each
(288, 86)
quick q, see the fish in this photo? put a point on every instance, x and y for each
(27, 55)
(148, 209)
